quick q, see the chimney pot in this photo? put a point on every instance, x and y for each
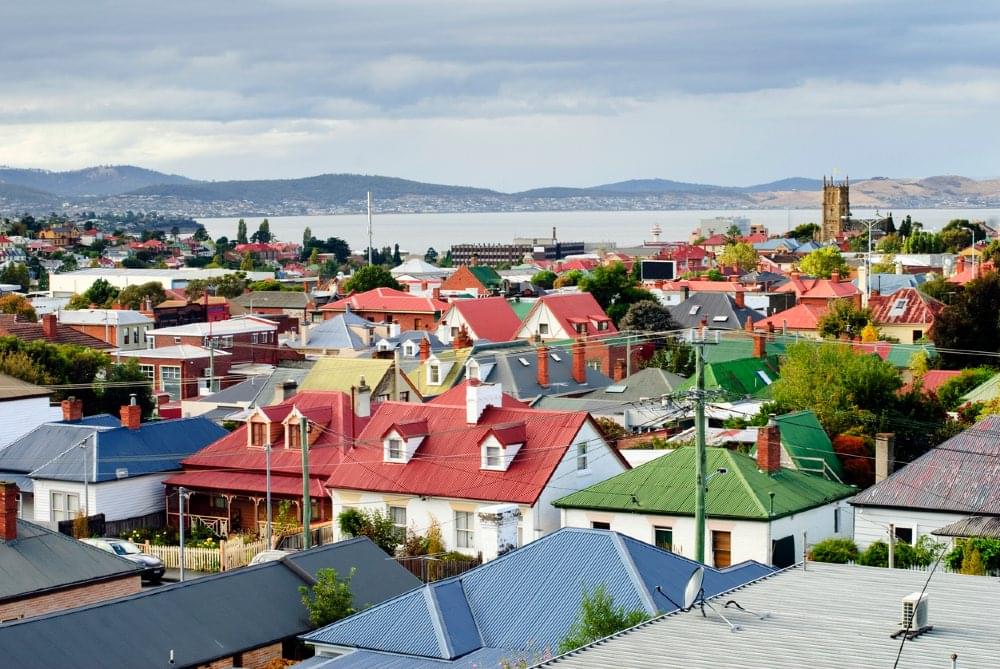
(739, 299)
(8, 511)
(619, 371)
(543, 366)
(885, 455)
(769, 448)
(835, 277)
(425, 349)
(579, 363)
(759, 345)
(363, 406)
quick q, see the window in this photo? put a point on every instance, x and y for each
(126, 336)
(720, 319)
(555, 356)
(581, 457)
(404, 396)
(524, 361)
(398, 515)
(917, 335)
(395, 449)
(464, 530)
(253, 337)
(434, 374)
(543, 328)
(602, 325)
(148, 371)
(764, 377)
(170, 381)
(218, 502)
(663, 537)
(581, 328)
(384, 397)
(258, 434)
(227, 341)
(135, 335)
(65, 505)
(836, 520)
(492, 457)
(597, 525)
(177, 340)
(905, 535)
(416, 323)
(454, 332)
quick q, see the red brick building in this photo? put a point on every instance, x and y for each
(182, 370)
(247, 339)
(50, 330)
(386, 305)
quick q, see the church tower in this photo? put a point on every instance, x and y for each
(836, 208)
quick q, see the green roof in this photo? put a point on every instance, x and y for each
(665, 486)
(486, 275)
(520, 307)
(804, 439)
(418, 375)
(343, 373)
(984, 392)
(730, 348)
(744, 377)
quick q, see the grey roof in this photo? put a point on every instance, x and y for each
(271, 299)
(825, 616)
(334, 333)
(257, 390)
(772, 279)
(16, 389)
(516, 369)
(961, 475)
(583, 403)
(392, 343)
(974, 526)
(648, 383)
(199, 620)
(890, 283)
(719, 309)
(40, 560)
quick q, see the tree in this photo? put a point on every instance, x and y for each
(837, 551)
(733, 234)
(200, 234)
(123, 381)
(610, 429)
(544, 279)
(676, 357)
(599, 618)
(824, 262)
(906, 227)
(375, 524)
(263, 234)
(740, 255)
(804, 232)
(246, 264)
(963, 324)
(307, 236)
(923, 242)
(330, 599)
(613, 289)
(951, 391)
(101, 293)
(370, 277)
(134, 297)
(16, 274)
(228, 285)
(431, 255)
(313, 257)
(844, 317)
(938, 288)
(241, 232)
(647, 316)
(19, 306)
(397, 260)
(570, 278)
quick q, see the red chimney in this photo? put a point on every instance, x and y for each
(748, 325)
(131, 415)
(835, 277)
(769, 448)
(619, 371)
(740, 300)
(759, 345)
(72, 409)
(8, 511)
(49, 326)
(425, 349)
(543, 366)
(436, 292)
(579, 364)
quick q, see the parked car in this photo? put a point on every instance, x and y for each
(152, 566)
(269, 556)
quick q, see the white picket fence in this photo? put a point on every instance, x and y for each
(228, 555)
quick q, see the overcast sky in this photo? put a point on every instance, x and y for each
(505, 94)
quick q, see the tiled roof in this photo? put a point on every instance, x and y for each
(447, 462)
(25, 331)
(566, 306)
(808, 287)
(800, 317)
(662, 486)
(699, 286)
(962, 475)
(489, 318)
(906, 306)
(388, 300)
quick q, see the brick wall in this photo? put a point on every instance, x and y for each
(257, 658)
(70, 597)
(407, 322)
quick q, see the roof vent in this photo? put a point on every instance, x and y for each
(914, 612)
(121, 473)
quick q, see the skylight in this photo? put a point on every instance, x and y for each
(764, 377)
(720, 319)
(524, 362)
(616, 389)
(555, 356)
(694, 310)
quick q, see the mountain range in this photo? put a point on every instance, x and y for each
(125, 187)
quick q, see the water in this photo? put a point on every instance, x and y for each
(416, 232)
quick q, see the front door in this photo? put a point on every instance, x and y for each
(722, 548)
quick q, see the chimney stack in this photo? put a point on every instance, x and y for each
(619, 370)
(425, 349)
(885, 455)
(769, 448)
(131, 414)
(8, 511)
(543, 366)
(835, 277)
(579, 363)
(480, 396)
(739, 299)
(363, 404)
(303, 333)
(283, 391)
(436, 292)
(49, 326)
(759, 345)
(685, 290)
(72, 409)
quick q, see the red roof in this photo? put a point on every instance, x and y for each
(408, 429)
(456, 397)
(932, 380)
(565, 307)
(715, 240)
(799, 317)
(490, 318)
(64, 334)
(447, 462)
(904, 307)
(684, 252)
(967, 272)
(818, 288)
(697, 286)
(388, 300)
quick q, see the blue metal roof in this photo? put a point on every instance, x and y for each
(525, 600)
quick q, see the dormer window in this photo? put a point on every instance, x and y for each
(258, 434)
(501, 444)
(434, 374)
(401, 441)
(492, 456)
(581, 328)
(395, 449)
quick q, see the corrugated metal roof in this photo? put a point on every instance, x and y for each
(646, 383)
(663, 486)
(906, 306)
(961, 475)
(984, 392)
(490, 318)
(273, 299)
(825, 616)
(804, 438)
(975, 526)
(16, 389)
(740, 378)
(565, 306)
(389, 300)
(340, 374)
(720, 309)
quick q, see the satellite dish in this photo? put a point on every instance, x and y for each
(693, 587)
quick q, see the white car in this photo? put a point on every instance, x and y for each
(268, 556)
(152, 566)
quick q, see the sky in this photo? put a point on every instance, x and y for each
(507, 95)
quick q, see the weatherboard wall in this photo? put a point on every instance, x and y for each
(19, 417)
(124, 498)
(871, 524)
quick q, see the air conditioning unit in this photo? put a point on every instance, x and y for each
(914, 611)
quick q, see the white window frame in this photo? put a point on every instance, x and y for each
(543, 328)
(64, 510)
(394, 511)
(492, 456)
(395, 449)
(465, 529)
(582, 457)
(434, 374)
(149, 371)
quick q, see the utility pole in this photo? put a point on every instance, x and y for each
(181, 495)
(211, 351)
(369, 227)
(267, 465)
(306, 499)
(700, 464)
(86, 477)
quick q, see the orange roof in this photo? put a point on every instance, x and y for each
(799, 317)
(904, 306)
(932, 380)
(819, 288)
(389, 300)
(698, 286)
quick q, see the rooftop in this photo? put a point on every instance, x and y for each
(103, 316)
(176, 352)
(16, 389)
(230, 326)
(271, 299)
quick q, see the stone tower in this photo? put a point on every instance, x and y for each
(836, 208)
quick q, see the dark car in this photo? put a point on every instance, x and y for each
(152, 566)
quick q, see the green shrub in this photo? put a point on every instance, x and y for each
(988, 549)
(838, 551)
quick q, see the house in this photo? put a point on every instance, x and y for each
(228, 477)
(718, 311)
(346, 375)
(413, 347)
(906, 314)
(820, 292)
(419, 277)
(45, 571)
(565, 316)
(687, 258)
(293, 304)
(347, 335)
(247, 339)
(60, 236)
(23, 407)
(183, 371)
(955, 479)
(179, 311)
(489, 318)
(984, 392)
(802, 319)
(645, 384)
(670, 293)
(515, 609)
(48, 329)
(242, 618)
(819, 615)
(474, 280)
(256, 391)
(120, 464)
(123, 329)
(451, 463)
(387, 305)
(437, 372)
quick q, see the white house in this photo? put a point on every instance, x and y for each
(468, 467)
(564, 316)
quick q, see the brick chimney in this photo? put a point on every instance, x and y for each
(759, 345)
(579, 363)
(462, 339)
(960, 265)
(885, 455)
(131, 415)
(543, 365)
(72, 409)
(748, 325)
(49, 326)
(436, 292)
(8, 511)
(739, 299)
(425, 349)
(619, 370)
(835, 277)
(685, 290)
(769, 448)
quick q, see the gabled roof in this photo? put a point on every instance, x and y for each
(746, 377)
(40, 560)
(456, 397)
(932, 380)
(258, 390)
(898, 355)
(906, 306)
(648, 383)
(984, 392)
(26, 331)
(447, 464)
(961, 475)
(262, 605)
(272, 299)
(719, 309)
(231, 326)
(418, 375)
(334, 334)
(661, 487)
(490, 318)
(568, 308)
(516, 369)
(888, 283)
(418, 266)
(804, 316)
(811, 287)
(341, 374)
(524, 600)
(102, 316)
(467, 275)
(388, 300)
(805, 441)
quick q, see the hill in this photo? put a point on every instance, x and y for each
(91, 181)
